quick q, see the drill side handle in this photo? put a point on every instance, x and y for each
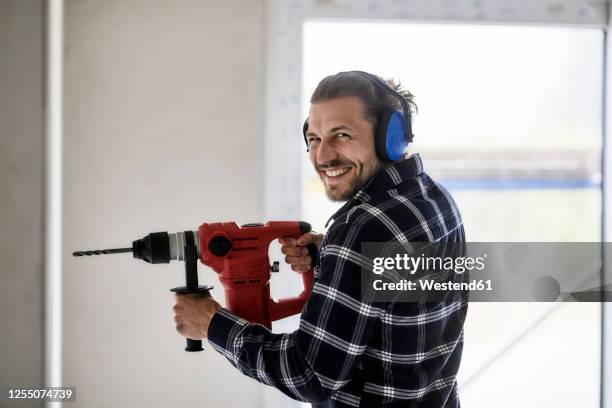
(191, 280)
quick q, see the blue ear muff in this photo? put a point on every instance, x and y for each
(390, 140)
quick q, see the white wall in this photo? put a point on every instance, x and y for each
(163, 131)
(21, 193)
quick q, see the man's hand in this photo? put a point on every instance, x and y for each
(193, 313)
(295, 250)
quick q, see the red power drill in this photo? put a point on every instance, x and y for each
(239, 254)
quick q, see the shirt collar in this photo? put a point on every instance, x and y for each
(384, 180)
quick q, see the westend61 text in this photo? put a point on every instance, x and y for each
(406, 285)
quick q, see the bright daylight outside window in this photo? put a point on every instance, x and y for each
(510, 122)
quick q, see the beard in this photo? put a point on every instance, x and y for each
(335, 193)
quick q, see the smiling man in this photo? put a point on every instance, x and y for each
(347, 351)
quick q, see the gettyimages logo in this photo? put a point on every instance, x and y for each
(412, 264)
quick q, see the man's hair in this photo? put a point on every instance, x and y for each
(375, 100)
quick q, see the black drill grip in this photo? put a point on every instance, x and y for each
(312, 248)
(191, 280)
(194, 345)
(314, 254)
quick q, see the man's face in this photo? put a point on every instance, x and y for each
(341, 144)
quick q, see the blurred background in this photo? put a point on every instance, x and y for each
(120, 118)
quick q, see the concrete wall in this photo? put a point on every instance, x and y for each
(21, 193)
(163, 131)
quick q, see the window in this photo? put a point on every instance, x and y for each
(510, 122)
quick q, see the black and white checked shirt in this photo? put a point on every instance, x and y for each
(349, 353)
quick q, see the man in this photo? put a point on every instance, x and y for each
(348, 351)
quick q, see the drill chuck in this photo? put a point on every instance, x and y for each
(177, 245)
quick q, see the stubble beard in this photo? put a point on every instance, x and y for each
(354, 185)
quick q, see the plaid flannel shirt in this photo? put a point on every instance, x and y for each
(347, 352)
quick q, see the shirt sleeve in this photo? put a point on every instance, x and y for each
(318, 358)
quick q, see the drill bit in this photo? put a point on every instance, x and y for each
(102, 251)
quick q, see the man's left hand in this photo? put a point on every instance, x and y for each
(193, 313)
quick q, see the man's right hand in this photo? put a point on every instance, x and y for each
(296, 253)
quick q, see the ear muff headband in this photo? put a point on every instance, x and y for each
(405, 108)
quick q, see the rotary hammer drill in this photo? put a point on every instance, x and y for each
(239, 254)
